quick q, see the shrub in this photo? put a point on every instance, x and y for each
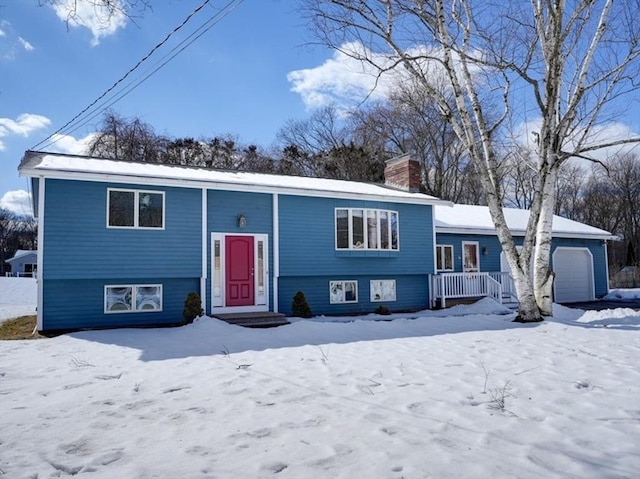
(192, 308)
(382, 310)
(300, 307)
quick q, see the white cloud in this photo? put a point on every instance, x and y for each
(69, 144)
(24, 125)
(605, 133)
(345, 80)
(341, 80)
(18, 201)
(2, 34)
(25, 44)
(99, 19)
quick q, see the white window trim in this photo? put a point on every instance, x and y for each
(442, 247)
(382, 300)
(343, 289)
(365, 212)
(136, 205)
(134, 288)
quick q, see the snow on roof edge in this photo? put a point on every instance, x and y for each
(474, 219)
(34, 163)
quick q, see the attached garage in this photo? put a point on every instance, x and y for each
(574, 275)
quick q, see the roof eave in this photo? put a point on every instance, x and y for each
(520, 232)
(28, 169)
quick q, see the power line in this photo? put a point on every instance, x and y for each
(224, 11)
(167, 58)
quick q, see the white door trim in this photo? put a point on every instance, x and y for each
(218, 293)
(477, 245)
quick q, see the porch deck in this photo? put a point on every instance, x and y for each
(445, 287)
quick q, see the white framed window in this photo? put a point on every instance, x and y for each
(343, 292)
(444, 257)
(131, 298)
(135, 209)
(366, 229)
(382, 290)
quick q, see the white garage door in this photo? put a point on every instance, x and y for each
(574, 275)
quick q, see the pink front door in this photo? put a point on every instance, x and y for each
(239, 271)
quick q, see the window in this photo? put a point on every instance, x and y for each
(365, 229)
(383, 290)
(132, 298)
(135, 209)
(343, 292)
(444, 257)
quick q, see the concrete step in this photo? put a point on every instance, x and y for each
(262, 319)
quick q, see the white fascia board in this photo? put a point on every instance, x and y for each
(491, 232)
(183, 183)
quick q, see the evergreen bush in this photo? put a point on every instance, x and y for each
(300, 308)
(192, 308)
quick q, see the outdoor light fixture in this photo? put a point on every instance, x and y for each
(242, 220)
(484, 251)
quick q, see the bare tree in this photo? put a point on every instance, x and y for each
(410, 122)
(570, 61)
(128, 139)
(16, 232)
(108, 9)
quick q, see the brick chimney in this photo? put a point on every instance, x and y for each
(404, 173)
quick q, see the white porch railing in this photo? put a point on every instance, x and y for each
(20, 274)
(445, 286)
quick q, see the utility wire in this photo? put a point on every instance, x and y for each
(139, 63)
(166, 59)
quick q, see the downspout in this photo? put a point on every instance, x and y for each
(434, 271)
(203, 277)
(276, 250)
(40, 256)
(606, 265)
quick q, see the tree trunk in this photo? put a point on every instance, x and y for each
(542, 275)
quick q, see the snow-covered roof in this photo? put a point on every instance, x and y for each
(19, 254)
(56, 165)
(477, 220)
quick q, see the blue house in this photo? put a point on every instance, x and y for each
(123, 243)
(467, 246)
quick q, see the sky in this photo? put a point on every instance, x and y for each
(456, 393)
(256, 68)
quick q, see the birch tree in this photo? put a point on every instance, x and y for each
(567, 64)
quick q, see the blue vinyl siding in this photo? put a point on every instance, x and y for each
(223, 208)
(491, 261)
(488, 262)
(307, 240)
(78, 243)
(79, 303)
(411, 293)
(307, 245)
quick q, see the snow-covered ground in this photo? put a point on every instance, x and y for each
(18, 297)
(466, 396)
(623, 294)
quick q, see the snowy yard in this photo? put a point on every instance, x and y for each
(18, 297)
(466, 396)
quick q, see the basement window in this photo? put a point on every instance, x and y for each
(343, 292)
(132, 298)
